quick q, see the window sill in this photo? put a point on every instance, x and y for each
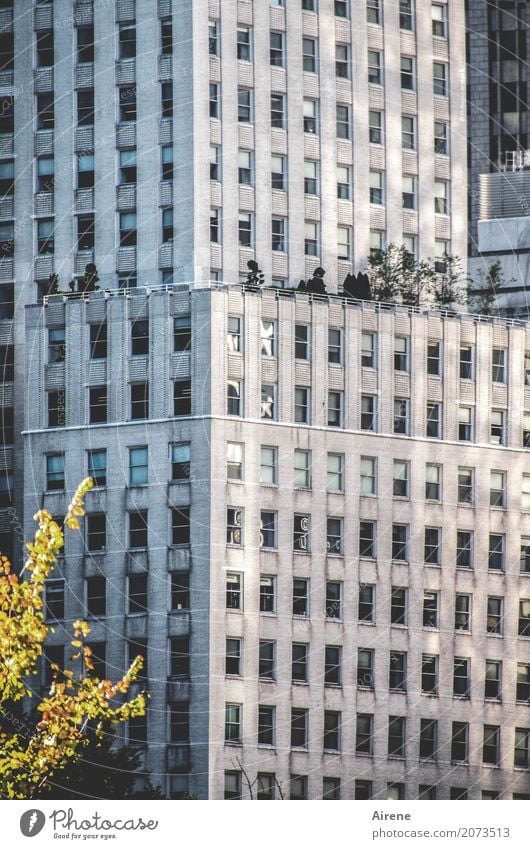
(332, 751)
(300, 683)
(272, 550)
(269, 746)
(268, 485)
(267, 680)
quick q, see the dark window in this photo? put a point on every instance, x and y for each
(331, 730)
(180, 526)
(54, 599)
(7, 425)
(233, 656)
(367, 539)
(180, 461)
(55, 471)
(57, 408)
(140, 337)
(139, 401)
(267, 594)
(397, 676)
(396, 736)
(97, 466)
(45, 112)
(85, 171)
(85, 107)
(366, 611)
(7, 362)
(333, 600)
(300, 597)
(461, 677)
(98, 341)
(180, 590)
(127, 100)
(265, 725)
(167, 99)
(97, 404)
(85, 232)
(365, 668)
(428, 733)
(7, 176)
(179, 723)
(266, 659)
(182, 333)
(182, 398)
(299, 723)
(138, 529)
(7, 51)
(7, 115)
(166, 28)
(299, 662)
(429, 674)
(96, 596)
(96, 533)
(127, 41)
(85, 44)
(179, 658)
(332, 665)
(138, 593)
(459, 743)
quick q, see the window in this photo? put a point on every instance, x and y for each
(45, 113)
(400, 486)
(45, 238)
(375, 69)
(309, 55)
(344, 243)
(526, 430)
(343, 121)
(233, 725)
(525, 492)
(333, 600)
(524, 617)
(302, 468)
(215, 163)
(522, 748)
(497, 427)
(97, 400)
(266, 722)
(299, 672)
(433, 481)
(139, 401)
(366, 611)
(433, 358)
(54, 471)
(277, 49)
(428, 739)
(341, 8)
(405, 14)
(399, 606)
(461, 677)
(494, 615)
(367, 536)
(524, 560)
(334, 345)
(465, 424)
(331, 731)
(310, 116)
(441, 202)
(234, 526)
(496, 552)
(492, 679)
(311, 238)
(7, 428)
(364, 734)
(266, 659)
(409, 196)
(267, 465)
(310, 177)
(396, 736)
(85, 44)
(166, 35)
(491, 745)
(179, 657)
(433, 546)
(234, 591)
(97, 466)
(429, 674)
(498, 365)
(466, 362)
(299, 728)
(234, 461)
(527, 368)
(368, 470)
(375, 127)
(343, 182)
(334, 536)
(54, 600)
(96, 531)
(268, 401)
(278, 229)
(335, 409)
(368, 349)
(232, 788)
(244, 44)
(459, 742)
(431, 610)
(167, 225)
(401, 415)
(440, 78)
(127, 103)
(464, 549)
(376, 187)
(96, 603)
(57, 408)
(441, 138)
(137, 593)
(182, 333)
(434, 421)
(497, 489)
(233, 337)
(180, 591)
(245, 229)
(373, 11)
(298, 787)
(408, 142)
(138, 466)
(407, 73)
(278, 111)
(214, 226)
(301, 532)
(462, 612)
(399, 542)
(365, 668)
(332, 666)
(244, 105)
(342, 61)
(268, 529)
(139, 337)
(45, 175)
(127, 41)
(180, 526)
(181, 398)
(439, 20)
(128, 233)
(138, 529)
(233, 656)
(301, 404)
(309, 5)
(278, 172)
(465, 485)
(368, 412)
(300, 597)
(523, 682)
(331, 788)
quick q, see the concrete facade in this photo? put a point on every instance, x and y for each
(442, 492)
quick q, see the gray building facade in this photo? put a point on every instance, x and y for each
(330, 581)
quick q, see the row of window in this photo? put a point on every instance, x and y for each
(429, 747)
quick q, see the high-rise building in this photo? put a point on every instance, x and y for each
(498, 46)
(170, 143)
(312, 517)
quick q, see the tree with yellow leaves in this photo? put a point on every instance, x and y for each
(74, 704)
